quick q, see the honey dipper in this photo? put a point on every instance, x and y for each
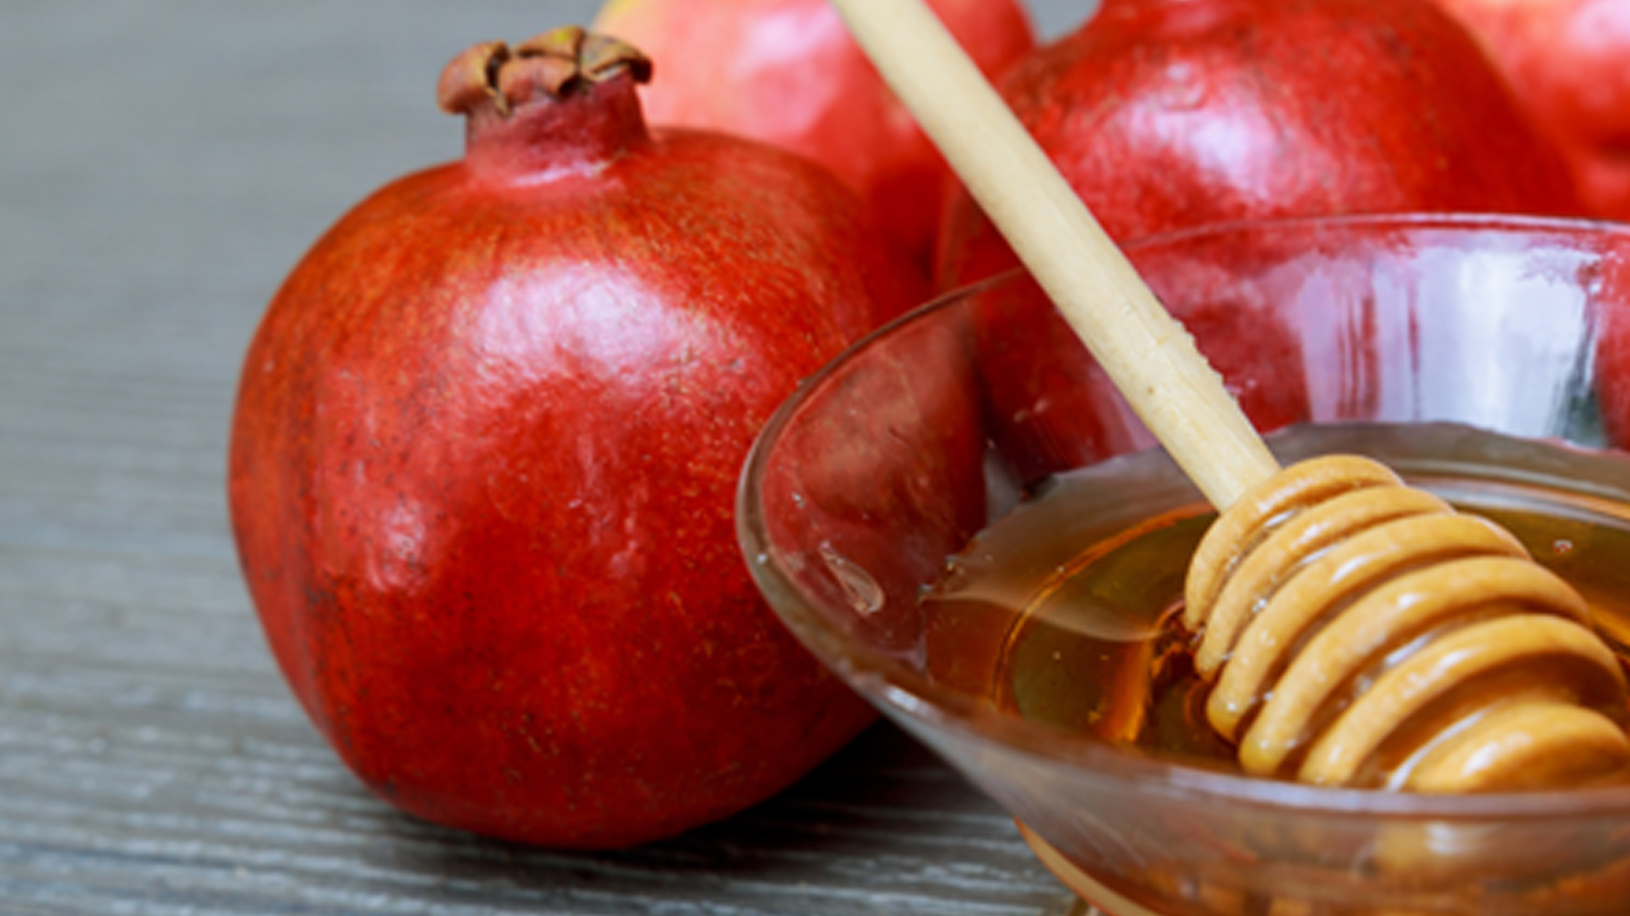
(1357, 631)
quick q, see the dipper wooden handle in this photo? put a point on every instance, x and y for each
(1150, 357)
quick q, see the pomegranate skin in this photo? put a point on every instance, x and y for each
(1568, 61)
(1168, 114)
(787, 72)
(484, 452)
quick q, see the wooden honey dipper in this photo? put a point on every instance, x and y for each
(1359, 632)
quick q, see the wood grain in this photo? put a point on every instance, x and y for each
(163, 164)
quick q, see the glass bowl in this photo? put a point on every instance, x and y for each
(1483, 355)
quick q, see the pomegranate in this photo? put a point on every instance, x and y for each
(1568, 61)
(485, 447)
(1165, 114)
(787, 72)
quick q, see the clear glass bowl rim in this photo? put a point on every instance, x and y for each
(900, 691)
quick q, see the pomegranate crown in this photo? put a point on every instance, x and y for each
(555, 64)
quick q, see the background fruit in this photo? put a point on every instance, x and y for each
(1568, 61)
(485, 447)
(787, 72)
(1166, 114)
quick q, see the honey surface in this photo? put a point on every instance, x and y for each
(1059, 619)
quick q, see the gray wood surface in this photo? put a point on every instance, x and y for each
(163, 163)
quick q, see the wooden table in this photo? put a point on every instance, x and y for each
(163, 164)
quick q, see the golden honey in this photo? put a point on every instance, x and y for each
(1064, 611)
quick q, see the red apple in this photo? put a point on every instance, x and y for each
(1568, 61)
(787, 72)
(485, 450)
(1166, 114)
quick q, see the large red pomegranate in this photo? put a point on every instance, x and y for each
(787, 72)
(1167, 114)
(1569, 62)
(485, 448)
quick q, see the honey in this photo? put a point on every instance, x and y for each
(1064, 610)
